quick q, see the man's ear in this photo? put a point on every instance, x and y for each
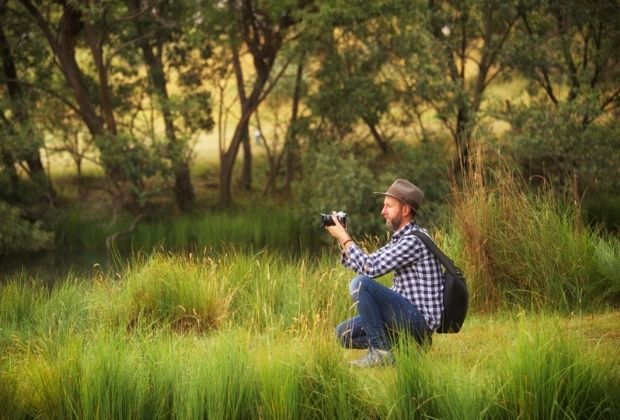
(407, 211)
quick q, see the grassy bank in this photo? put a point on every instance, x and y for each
(253, 229)
(251, 336)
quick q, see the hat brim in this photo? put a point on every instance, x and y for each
(414, 205)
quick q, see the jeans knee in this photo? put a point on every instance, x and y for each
(356, 284)
(341, 334)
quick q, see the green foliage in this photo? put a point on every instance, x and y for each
(63, 359)
(251, 230)
(336, 179)
(276, 228)
(340, 177)
(131, 160)
(565, 129)
(603, 209)
(133, 345)
(426, 165)
(554, 143)
(20, 235)
(18, 301)
(171, 292)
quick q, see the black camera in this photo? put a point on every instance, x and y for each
(326, 219)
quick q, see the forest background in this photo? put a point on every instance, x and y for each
(129, 112)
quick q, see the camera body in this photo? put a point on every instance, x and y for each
(326, 219)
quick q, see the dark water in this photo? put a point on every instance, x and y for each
(55, 266)
(51, 267)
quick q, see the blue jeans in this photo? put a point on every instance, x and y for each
(382, 315)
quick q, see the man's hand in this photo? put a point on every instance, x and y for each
(339, 232)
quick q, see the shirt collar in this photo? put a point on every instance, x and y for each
(404, 230)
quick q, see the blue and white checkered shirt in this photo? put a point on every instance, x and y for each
(417, 273)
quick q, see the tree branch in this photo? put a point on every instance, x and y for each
(546, 82)
(275, 79)
(49, 91)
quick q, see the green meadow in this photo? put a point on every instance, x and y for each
(239, 335)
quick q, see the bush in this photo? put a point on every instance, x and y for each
(427, 166)
(335, 179)
(555, 144)
(341, 177)
(19, 235)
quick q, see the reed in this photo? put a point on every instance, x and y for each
(530, 250)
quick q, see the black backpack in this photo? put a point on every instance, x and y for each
(455, 295)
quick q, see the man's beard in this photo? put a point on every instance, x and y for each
(394, 224)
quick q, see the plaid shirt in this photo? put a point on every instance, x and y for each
(417, 273)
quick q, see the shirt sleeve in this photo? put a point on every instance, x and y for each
(391, 257)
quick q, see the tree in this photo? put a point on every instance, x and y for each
(345, 40)
(154, 25)
(281, 141)
(569, 53)
(18, 124)
(260, 28)
(460, 56)
(62, 28)
(396, 66)
(114, 38)
(571, 45)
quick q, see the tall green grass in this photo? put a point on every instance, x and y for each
(206, 292)
(251, 336)
(546, 376)
(530, 250)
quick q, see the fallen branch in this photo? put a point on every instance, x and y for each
(109, 241)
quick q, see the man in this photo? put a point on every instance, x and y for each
(413, 304)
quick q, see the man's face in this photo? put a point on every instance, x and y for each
(393, 213)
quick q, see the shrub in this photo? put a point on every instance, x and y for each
(20, 235)
(336, 179)
(341, 177)
(554, 143)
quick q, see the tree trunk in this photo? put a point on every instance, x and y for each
(246, 173)
(229, 157)
(292, 144)
(20, 112)
(183, 188)
(93, 39)
(9, 166)
(263, 39)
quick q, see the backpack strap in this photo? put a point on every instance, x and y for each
(443, 258)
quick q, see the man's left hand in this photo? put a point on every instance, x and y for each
(338, 231)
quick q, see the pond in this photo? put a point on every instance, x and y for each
(50, 267)
(53, 266)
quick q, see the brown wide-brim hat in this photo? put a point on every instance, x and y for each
(406, 192)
